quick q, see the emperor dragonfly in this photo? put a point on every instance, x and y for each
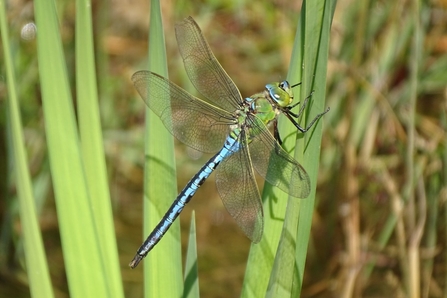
(224, 117)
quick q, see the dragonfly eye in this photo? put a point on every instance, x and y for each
(284, 85)
(280, 93)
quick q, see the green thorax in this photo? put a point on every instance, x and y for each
(266, 105)
(269, 104)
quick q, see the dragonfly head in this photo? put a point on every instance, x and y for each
(280, 92)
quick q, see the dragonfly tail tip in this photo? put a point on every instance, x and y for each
(135, 261)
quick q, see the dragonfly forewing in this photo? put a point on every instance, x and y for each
(192, 121)
(236, 184)
(274, 164)
(203, 69)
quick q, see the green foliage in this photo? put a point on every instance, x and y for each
(191, 276)
(83, 208)
(92, 148)
(36, 262)
(277, 269)
(163, 265)
(377, 219)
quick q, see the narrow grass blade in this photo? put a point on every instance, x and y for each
(93, 148)
(317, 37)
(287, 268)
(80, 241)
(191, 289)
(163, 266)
(36, 262)
(283, 272)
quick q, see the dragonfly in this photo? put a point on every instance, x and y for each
(235, 129)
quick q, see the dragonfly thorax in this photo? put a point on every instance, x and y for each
(280, 93)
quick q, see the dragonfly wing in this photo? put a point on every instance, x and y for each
(203, 69)
(237, 187)
(273, 163)
(191, 120)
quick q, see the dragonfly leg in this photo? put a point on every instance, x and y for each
(276, 132)
(301, 129)
(291, 115)
(316, 118)
(302, 107)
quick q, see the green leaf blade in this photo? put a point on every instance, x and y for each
(93, 148)
(286, 266)
(36, 261)
(191, 275)
(163, 265)
(79, 239)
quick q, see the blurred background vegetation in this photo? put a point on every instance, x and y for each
(380, 220)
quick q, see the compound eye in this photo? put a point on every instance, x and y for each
(284, 85)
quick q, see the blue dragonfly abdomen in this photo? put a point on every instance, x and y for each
(231, 146)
